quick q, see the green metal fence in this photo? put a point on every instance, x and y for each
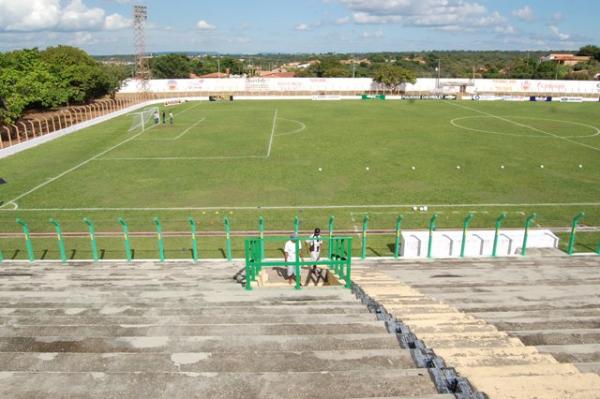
(227, 233)
(339, 262)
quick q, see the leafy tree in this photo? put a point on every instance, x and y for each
(171, 66)
(392, 76)
(590, 51)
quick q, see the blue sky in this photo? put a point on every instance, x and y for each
(103, 26)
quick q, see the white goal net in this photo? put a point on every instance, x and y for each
(141, 120)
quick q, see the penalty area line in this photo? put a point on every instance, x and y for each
(74, 168)
(291, 207)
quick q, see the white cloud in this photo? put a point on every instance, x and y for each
(342, 21)
(440, 14)
(373, 35)
(525, 13)
(302, 27)
(117, 22)
(50, 15)
(82, 39)
(560, 35)
(203, 25)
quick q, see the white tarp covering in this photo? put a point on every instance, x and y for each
(318, 85)
(479, 243)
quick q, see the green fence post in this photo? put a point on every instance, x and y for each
(598, 248)
(349, 265)
(499, 222)
(363, 252)
(298, 269)
(61, 241)
(28, 243)
(331, 226)
(296, 225)
(94, 244)
(1, 256)
(161, 240)
(463, 245)
(398, 235)
(125, 227)
(195, 255)
(261, 234)
(432, 228)
(227, 224)
(576, 220)
(249, 273)
(530, 220)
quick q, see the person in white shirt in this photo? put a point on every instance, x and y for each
(289, 255)
(314, 246)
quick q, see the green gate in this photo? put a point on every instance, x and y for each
(339, 262)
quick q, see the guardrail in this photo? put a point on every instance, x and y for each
(263, 236)
(339, 262)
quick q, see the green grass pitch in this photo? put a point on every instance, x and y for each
(313, 159)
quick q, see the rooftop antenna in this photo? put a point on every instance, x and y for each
(142, 67)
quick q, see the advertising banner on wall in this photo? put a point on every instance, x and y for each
(337, 85)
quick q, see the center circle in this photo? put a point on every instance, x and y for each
(539, 133)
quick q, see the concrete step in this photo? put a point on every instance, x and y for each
(225, 318)
(546, 386)
(343, 360)
(573, 353)
(89, 331)
(592, 367)
(211, 344)
(493, 357)
(560, 337)
(47, 310)
(334, 385)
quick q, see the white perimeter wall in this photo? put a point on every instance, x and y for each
(316, 85)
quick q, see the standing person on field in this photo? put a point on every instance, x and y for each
(171, 118)
(314, 246)
(289, 255)
(164, 115)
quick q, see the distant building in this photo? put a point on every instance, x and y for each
(566, 59)
(364, 61)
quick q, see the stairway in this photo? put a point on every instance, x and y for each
(190, 331)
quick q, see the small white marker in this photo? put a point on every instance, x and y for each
(320, 169)
(415, 208)
(425, 208)
(414, 168)
(458, 167)
(580, 166)
(542, 166)
(368, 168)
(502, 167)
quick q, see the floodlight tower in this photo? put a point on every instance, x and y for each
(142, 68)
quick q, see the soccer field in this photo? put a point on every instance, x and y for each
(279, 159)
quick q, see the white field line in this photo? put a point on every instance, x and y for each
(525, 126)
(217, 158)
(454, 123)
(292, 207)
(299, 130)
(177, 137)
(184, 158)
(272, 135)
(74, 168)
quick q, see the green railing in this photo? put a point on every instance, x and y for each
(263, 236)
(339, 262)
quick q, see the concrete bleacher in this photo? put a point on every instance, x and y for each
(190, 331)
(515, 327)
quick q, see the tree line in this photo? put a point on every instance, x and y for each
(449, 64)
(42, 80)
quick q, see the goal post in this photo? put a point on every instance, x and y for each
(142, 119)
